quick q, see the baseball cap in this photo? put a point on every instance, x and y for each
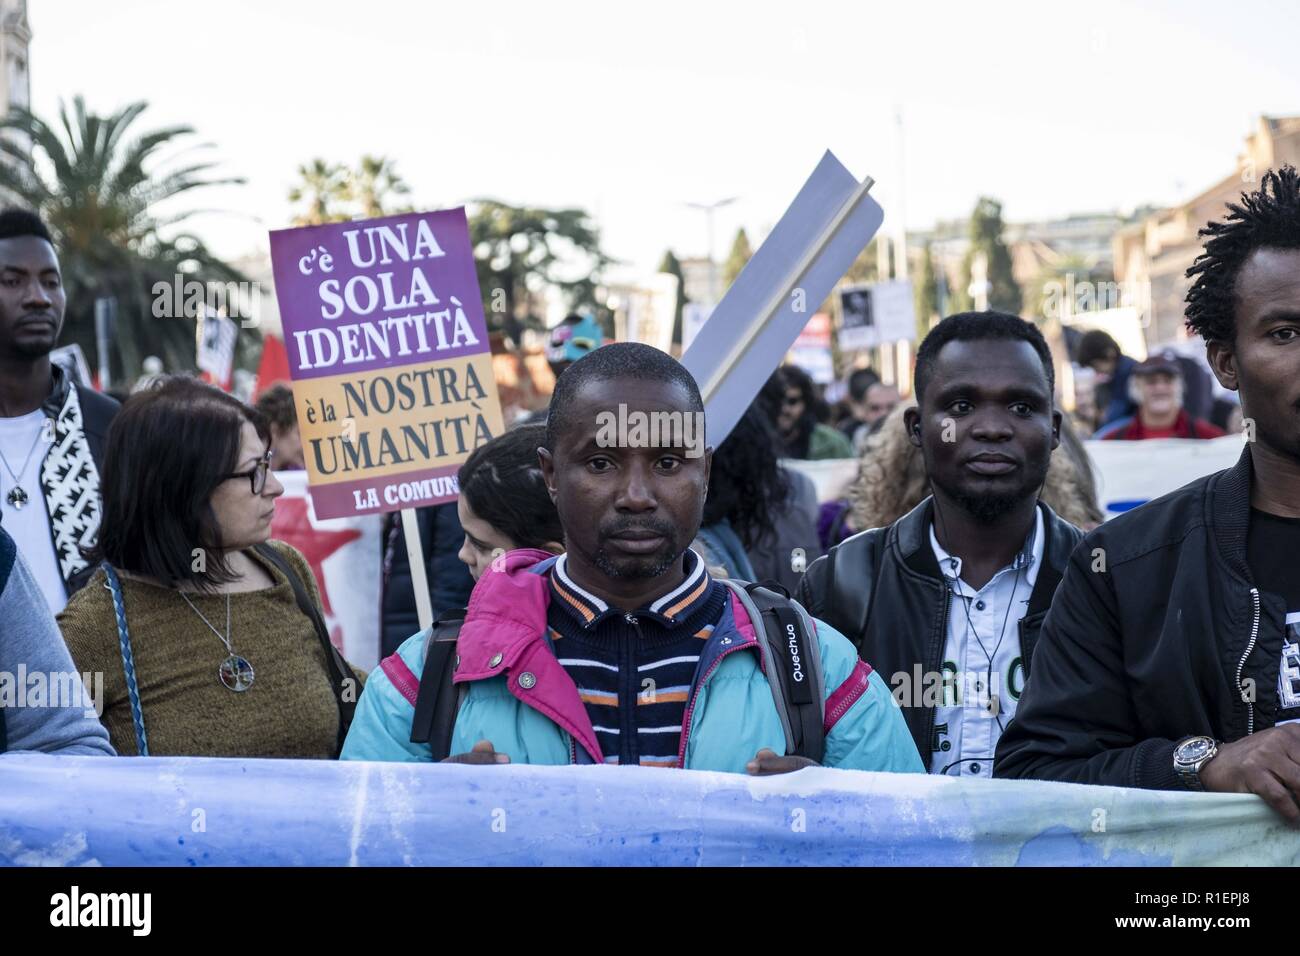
(1166, 360)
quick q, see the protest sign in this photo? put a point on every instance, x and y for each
(650, 312)
(812, 350)
(388, 352)
(830, 221)
(875, 314)
(215, 352)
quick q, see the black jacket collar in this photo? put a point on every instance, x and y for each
(60, 385)
(1229, 512)
(912, 538)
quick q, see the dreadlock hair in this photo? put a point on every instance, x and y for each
(1270, 216)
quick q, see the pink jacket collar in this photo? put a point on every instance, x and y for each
(504, 633)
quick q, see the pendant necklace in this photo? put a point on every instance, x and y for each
(235, 672)
(17, 497)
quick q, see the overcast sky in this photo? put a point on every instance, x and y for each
(632, 110)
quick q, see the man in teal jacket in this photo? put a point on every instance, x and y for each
(623, 650)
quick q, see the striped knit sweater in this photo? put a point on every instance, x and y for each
(634, 670)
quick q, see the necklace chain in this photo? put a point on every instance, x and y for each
(224, 640)
(26, 461)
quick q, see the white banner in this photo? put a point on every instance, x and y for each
(88, 811)
(1129, 473)
(345, 556)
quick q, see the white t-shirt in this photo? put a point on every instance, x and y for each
(29, 525)
(983, 669)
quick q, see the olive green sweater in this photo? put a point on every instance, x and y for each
(290, 711)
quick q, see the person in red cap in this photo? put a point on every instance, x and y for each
(1156, 385)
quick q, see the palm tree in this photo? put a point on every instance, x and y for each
(375, 180)
(332, 192)
(326, 189)
(97, 184)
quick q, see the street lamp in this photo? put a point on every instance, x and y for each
(709, 209)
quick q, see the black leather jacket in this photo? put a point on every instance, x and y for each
(1157, 633)
(883, 590)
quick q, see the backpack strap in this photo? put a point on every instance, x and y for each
(850, 595)
(341, 675)
(114, 587)
(436, 701)
(792, 661)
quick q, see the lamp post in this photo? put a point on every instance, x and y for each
(709, 209)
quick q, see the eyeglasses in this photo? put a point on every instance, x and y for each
(256, 475)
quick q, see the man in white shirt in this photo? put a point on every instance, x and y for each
(948, 601)
(51, 430)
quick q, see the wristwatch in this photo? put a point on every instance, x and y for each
(1190, 756)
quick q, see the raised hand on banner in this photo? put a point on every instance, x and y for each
(1266, 764)
(482, 753)
(766, 763)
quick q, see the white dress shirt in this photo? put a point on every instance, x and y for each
(983, 670)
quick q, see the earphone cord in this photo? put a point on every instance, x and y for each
(970, 624)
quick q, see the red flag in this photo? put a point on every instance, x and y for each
(274, 366)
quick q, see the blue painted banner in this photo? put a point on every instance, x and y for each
(200, 812)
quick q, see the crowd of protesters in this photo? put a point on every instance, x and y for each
(962, 607)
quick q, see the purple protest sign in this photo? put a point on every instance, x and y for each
(388, 351)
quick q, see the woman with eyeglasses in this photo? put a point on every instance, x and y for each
(210, 637)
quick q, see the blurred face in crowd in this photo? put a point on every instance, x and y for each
(627, 512)
(1263, 360)
(244, 516)
(1160, 394)
(32, 299)
(879, 402)
(286, 448)
(792, 409)
(1105, 366)
(986, 426)
(482, 542)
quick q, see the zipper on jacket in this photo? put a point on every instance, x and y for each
(690, 707)
(1254, 636)
(629, 740)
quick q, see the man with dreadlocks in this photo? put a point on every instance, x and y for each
(1171, 656)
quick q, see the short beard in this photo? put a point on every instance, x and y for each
(648, 566)
(32, 351)
(988, 508)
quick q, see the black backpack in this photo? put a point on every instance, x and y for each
(788, 650)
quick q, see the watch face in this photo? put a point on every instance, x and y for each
(1193, 750)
